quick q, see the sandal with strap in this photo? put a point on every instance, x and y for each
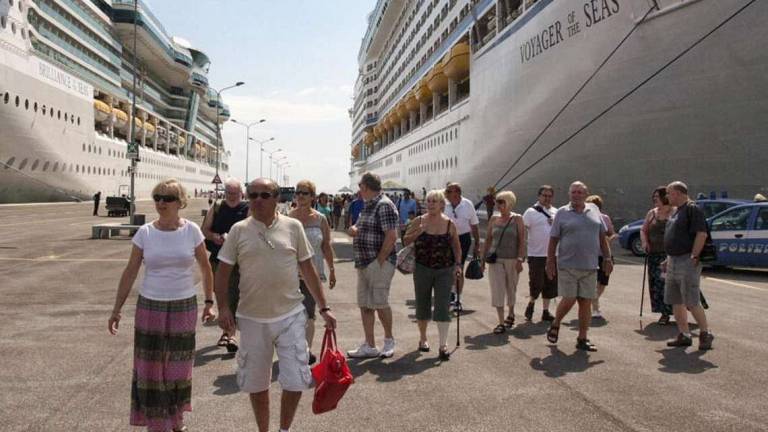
(232, 345)
(509, 322)
(499, 329)
(553, 334)
(223, 340)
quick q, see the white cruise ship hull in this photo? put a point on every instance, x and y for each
(700, 120)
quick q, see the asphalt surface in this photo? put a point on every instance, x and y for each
(61, 370)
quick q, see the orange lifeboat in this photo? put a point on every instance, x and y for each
(436, 79)
(456, 62)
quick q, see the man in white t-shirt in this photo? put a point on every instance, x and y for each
(270, 249)
(538, 221)
(461, 211)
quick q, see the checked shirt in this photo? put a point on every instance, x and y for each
(378, 216)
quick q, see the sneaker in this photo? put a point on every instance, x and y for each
(546, 316)
(705, 340)
(453, 299)
(681, 341)
(529, 312)
(364, 351)
(388, 350)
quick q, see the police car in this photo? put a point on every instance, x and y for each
(740, 235)
(629, 235)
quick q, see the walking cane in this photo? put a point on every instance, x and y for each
(458, 314)
(642, 292)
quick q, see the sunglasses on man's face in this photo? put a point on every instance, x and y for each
(303, 193)
(165, 198)
(262, 195)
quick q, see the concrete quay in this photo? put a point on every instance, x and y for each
(63, 371)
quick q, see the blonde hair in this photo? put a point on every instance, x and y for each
(596, 200)
(508, 197)
(436, 195)
(171, 186)
(307, 184)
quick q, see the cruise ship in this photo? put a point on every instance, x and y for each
(624, 95)
(66, 80)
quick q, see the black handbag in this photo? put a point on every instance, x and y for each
(474, 270)
(493, 257)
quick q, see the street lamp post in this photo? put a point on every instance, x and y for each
(218, 126)
(271, 161)
(277, 163)
(247, 127)
(261, 150)
(281, 172)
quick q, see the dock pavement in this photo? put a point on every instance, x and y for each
(61, 370)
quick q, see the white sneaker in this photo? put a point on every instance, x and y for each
(388, 350)
(364, 351)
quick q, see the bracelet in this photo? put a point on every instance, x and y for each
(325, 309)
(210, 302)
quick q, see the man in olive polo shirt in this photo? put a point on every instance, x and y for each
(578, 237)
(270, 249)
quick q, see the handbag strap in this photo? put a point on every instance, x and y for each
(329, 342)
(501, 237)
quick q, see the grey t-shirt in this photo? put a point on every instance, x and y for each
(579, 235)
(681, 232)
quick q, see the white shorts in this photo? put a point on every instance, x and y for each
(257, 347)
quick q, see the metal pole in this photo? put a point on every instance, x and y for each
(247, 150)
(261, 159)
(218, 132)
(134, 157)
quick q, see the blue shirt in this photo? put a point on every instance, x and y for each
(407, 206)
(354, 210)
(579, 237)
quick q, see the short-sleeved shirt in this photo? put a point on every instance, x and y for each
(269, 272)
(169, 260)
(464, 215)
(538, 227)
(681, 232)
(354, 210)
(579, 237)
(405, 207)
(378, 216)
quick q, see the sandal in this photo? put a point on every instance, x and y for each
(424, 347)
(232, 345)
(223, 340)
(509, 322)
(585, 345)
(664, 320)
(444, 355)
(553, 333)
(499, 329)
(183, 429)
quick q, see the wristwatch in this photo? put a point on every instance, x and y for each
(325, 309)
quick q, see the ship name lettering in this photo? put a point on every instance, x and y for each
(599, 10)
(64, 80)
(543, 41)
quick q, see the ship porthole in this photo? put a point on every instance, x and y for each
(18, 101)
(23, 164)
(35, 106)
(10, 162)
(7, 98)
(26, 104)
(55, 166)
(35, 164)
(46, 165)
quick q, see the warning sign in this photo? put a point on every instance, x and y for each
(216, 179)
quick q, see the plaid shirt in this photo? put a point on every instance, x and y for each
(378, 216)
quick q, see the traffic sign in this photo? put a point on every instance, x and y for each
(216, 179)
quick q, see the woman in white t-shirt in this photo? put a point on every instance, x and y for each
(166, 311)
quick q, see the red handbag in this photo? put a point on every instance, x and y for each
(332, 375)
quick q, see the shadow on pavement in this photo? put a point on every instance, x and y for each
(412, 363)
(528, 329)
(678, 360)
(343, 251)
(655, 332)
(558, 364)
(211, 353)
(225, 385)
(484, 341)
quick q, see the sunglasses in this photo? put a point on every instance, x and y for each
(303, 193)
(262, 195)
(165, 198)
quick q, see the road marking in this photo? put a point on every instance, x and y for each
(44, 221)
(736, 284)
(54, 258)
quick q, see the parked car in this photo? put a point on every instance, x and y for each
(629, 234)
(740, 235)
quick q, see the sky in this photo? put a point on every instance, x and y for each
(298, 60)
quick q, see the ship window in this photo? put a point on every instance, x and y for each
(17, 101)
(89, 148)
(77, 168)
(99, 150)
(35, 164)
(99, 171)
(78, 120)
(51, 112)
(26, 104)
(6, 98)
(35, 106)
(66, 117)
(46, 165)
(58, 114)
(44, 110)
(55, 166)
(83, 146)
(23, 34)
(2, 21)
(10, 162)
(23, 164)
(89, 170)
(13, 28)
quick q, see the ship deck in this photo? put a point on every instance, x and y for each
(63, 371)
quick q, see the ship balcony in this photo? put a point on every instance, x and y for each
(199, 80)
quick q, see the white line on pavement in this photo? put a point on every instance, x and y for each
(736, 284)
(53, 258)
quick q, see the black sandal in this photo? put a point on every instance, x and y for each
(499, 329)
(232, 345)
(585, 345)
(424, 347)
(664, 320)
(443, 354)
(223, 340)
(553, 334)
(509, 322)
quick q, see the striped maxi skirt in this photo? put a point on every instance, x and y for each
(163, 357)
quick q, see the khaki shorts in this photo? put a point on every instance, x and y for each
(373, 284)
(682, 284)
(257, 346)
(573, 283)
